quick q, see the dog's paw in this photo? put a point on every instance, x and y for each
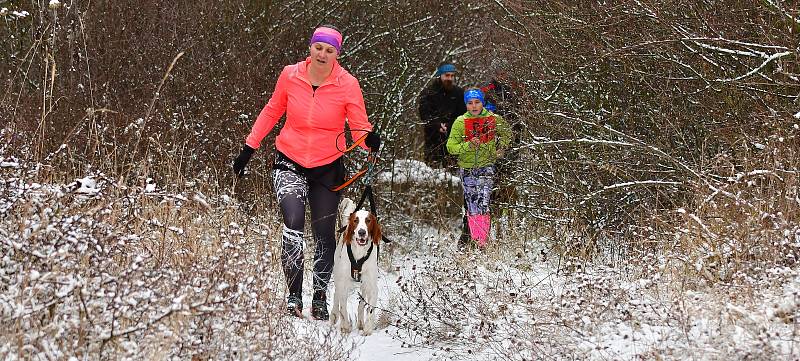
(345, 325)
(366, 324)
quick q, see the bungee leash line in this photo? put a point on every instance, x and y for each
(367, 172)
(372, 158)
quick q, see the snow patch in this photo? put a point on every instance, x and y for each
(86, 185)
(417, 172)
(19, 14)
(150, 185)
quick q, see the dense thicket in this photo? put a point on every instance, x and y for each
(644, 123)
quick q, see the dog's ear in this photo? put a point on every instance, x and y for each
(374, 229)
(348, 232)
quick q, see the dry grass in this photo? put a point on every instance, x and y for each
(132, 271)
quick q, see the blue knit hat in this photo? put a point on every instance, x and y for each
(473, 94)
(445, 68)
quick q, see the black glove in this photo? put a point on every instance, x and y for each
(373, 141)
(242, 159)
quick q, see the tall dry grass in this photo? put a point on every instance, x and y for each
(96, 268)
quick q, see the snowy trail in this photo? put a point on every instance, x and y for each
(381, 346)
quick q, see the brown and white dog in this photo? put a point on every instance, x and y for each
(356, 264)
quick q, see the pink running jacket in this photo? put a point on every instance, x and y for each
(314, 119)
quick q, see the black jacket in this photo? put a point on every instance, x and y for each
(503, 97)
(505, 100)
(436, 105)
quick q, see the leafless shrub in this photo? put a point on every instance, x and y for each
(634, 109)
(98, 269)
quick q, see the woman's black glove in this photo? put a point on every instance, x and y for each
(373, 141)
(242, 159)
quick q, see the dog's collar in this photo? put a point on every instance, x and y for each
(355, 265)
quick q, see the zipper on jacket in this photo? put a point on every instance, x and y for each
(310, 113)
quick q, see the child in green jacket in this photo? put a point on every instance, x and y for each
(478, 138)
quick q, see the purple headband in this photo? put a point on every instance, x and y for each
(328, 36)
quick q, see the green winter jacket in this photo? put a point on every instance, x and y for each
(486, 154)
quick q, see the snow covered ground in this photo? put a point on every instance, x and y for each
(600, 314)
(93, 268)
(533, 311)
(521, 307)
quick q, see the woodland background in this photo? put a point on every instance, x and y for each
(651, 130)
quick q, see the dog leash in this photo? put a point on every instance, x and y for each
(367, 173)
(371, 160)
(372, 206)
(356, 265)
(370, 163)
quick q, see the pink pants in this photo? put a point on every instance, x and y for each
(479, 225)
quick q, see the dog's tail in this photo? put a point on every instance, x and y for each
(346, 207)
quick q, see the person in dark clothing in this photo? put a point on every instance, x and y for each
(440, 103)
(501, 96)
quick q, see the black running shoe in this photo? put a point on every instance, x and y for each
(294, 305)
(319, 306)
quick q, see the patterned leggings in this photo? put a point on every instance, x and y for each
(295, 186)
(478, 183)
